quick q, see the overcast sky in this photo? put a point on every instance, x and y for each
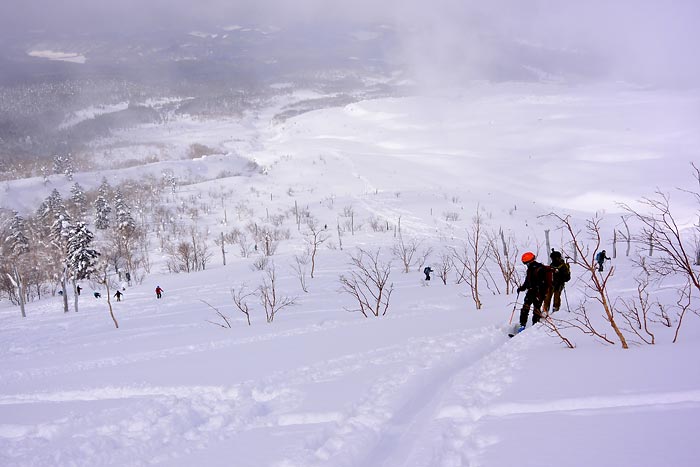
(649, 39)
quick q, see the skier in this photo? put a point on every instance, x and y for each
(538, 282)
(600, 258)
(427, 270)
(118, 295)
(78, 289)
(561, 273)
(159, 292)
(97, 294)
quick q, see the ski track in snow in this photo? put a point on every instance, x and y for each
(368, 430)
(178, 420)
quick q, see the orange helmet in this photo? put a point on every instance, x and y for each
(527, 257)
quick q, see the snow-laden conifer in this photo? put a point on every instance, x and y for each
(102, 207)
(125, 222)
(78, 201)
(17, 239)
(80, 257)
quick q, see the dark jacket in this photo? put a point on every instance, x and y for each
(560, 272)
(538, 279)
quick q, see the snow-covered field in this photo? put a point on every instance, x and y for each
(434, 382)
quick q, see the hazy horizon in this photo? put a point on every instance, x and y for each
(647, 42)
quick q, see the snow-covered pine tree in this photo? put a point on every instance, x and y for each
(63, 165)
(48, 206)
(78, 201)
(68, 168)
(81, 259)
(124, 236)
(18, 245)
(125, 222)
(45, 214)
(59, 234)
(17, 239)
(102, 207)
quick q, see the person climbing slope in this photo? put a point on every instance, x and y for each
(538, 282)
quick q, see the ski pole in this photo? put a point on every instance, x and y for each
(568, 310)
(510, 321)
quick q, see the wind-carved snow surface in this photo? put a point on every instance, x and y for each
(434, 382)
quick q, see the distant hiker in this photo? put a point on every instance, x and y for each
(60, 292)
(427, 270)
(600, 258)
(159, 292)
(128, 278)
(561, 273)
(78, 289)
(118, 295)
(97, 294)
(538, 282)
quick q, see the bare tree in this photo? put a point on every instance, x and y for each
(180, 257)
(444, 267)
(300, 264)
(245, 246)
(269, 298)
(660, 229)
(368, 283)
(505, 255)
(423, 257)
(683, 305)
(405, 250)
(637, 311)
(221, 315)
(315, 236)
(240, 297)
(471, 258)
(597, 284)
(260, 263)
(107, 281)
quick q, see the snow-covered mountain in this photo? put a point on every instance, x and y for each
(436, 381)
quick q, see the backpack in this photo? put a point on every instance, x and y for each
(562, 272)
(542, 276)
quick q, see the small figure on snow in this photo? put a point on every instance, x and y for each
(159, 292)
(561, 273)
(97, 294)
(427, 270)
(118, 295)
(600, 258)
(538, 282)
(78, 289)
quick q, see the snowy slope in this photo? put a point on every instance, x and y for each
(435, 382)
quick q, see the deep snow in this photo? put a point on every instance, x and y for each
(435, 382)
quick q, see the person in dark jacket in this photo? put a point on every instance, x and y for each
(427, 270)
(600, 258)
(538, 282)
(118, 295)
(97, 294)
(561, 273)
